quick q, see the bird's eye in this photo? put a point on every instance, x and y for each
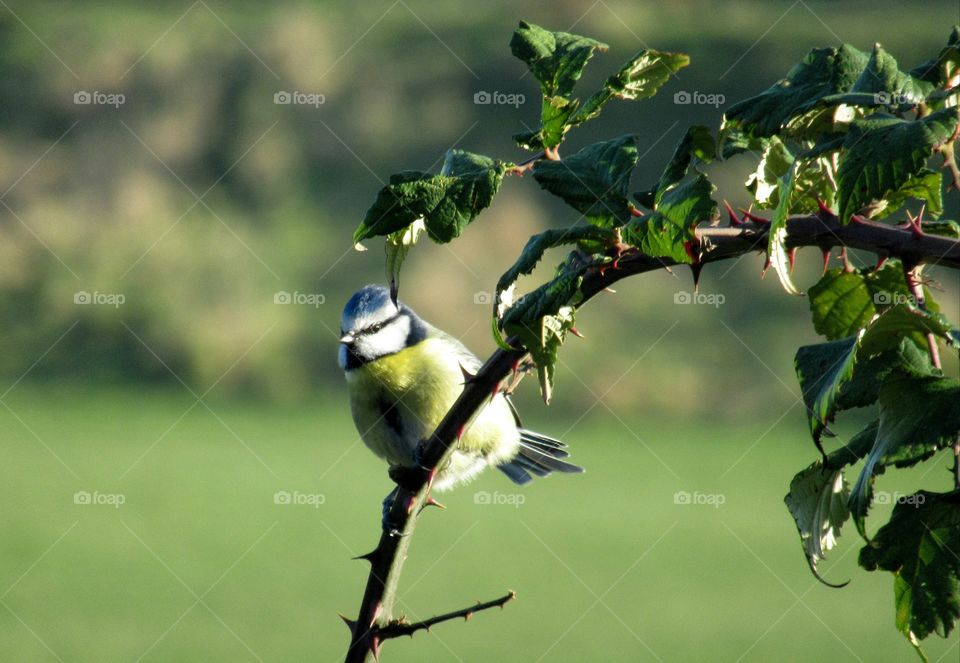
(375, 328)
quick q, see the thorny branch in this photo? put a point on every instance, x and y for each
(823, 230)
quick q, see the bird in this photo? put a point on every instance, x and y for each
(404, 374)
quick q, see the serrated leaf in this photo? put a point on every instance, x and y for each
(697, 144)
(918, 416)
(824, 71)
(670, 230)
(882, 153)
(446, 203)
(838, 376)
(777, 234)
(641, 77)
(919, 546)
(818, 503)
(593, 181)
(538, 244)
(541, 319)
(927, 185)
(942, 68)
(556, 59)
(844, 302)
(883, 84)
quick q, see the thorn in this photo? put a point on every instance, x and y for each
(610, 290)
(826, 260)
(493, 392)
(432, 502)
(858, 218)
(766, 266)
(349, 622)
(792, 257)
(368, 557)
(824, 209)
(377, 609)
(460, 432)
(847, 267)
(914, 223)
(634, 211)
(467, 616)
(696, 268)
(734, 219)
(375, 646)
(880, 262)
(573, 330)
(468, 377)
(688, 247)
(747, 214)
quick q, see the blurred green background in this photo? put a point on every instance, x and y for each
(199, 398)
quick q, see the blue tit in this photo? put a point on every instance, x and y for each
(404, 374)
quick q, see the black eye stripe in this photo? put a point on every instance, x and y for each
(373, 329)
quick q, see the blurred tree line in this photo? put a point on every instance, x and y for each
(199, 198)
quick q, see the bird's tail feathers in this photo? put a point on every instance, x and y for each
(539, 455)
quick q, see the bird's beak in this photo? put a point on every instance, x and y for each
(347, 339)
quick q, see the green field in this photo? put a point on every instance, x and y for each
(199, 563)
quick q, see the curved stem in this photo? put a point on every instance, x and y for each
(716, 243)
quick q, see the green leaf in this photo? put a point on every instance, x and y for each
(777, 234)
(541, 319)
(818, 503)
(593, 181)
(670, 230)
(641, 77)
(927, 186)
(918, 416)
(697, 144)
(538, 244)
(397, 247)
(882, 153)
(838, 376)
(556, 59)
(446, 202)
(824, 71)
(843, 302)
(919, 547)
(943, 67)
